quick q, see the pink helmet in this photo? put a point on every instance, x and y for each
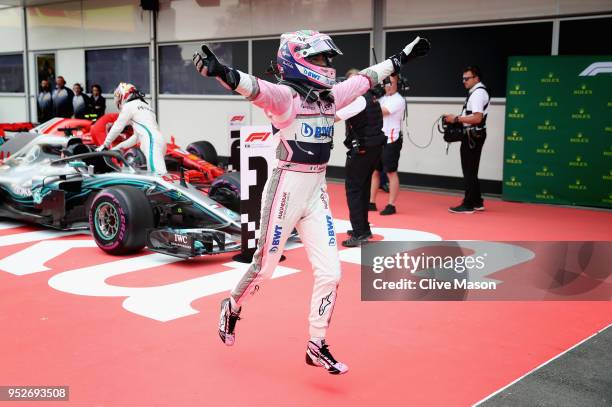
(296, 48)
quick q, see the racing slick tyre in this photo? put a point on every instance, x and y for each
(136, 158)
(205, 150)
(225, 189)
(119, 219)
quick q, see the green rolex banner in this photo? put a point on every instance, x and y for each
(558, 135)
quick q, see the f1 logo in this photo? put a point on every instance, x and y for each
(258, 136)
(237, 119)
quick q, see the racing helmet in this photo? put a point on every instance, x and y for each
(294, 54)
(124, 93)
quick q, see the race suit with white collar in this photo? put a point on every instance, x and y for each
(142, 118)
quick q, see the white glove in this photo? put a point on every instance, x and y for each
(408, 48)
(102, 147)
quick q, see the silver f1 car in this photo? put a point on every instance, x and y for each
(61, 183)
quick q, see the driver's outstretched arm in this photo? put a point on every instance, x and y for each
(345, 92)
(123, 120)
(276, 100)
(131, 142)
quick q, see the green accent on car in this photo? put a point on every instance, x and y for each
(151, 162)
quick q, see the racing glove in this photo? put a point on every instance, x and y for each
(417, 48)
(207, 64)
(101, 148)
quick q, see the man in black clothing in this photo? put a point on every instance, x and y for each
(97, 102)
(80, 102)
(474, 119)
(365, 140)
(62, 99)
(45, 104)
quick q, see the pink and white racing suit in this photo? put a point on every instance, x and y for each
(296, 193)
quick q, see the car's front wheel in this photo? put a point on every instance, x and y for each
(225, 189)
(119, 219)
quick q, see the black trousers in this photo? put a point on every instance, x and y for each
(359, 169)
(470, 161)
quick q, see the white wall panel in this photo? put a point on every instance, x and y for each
(433, 160)
(55, 26)
(277, 16)
(193, 120)
(115, 22)
(87, 23)
(33, 109)
(110, 104)
(12, 109)
(338, 153)
(32, 74)
(187, 19)
(11, 23)
(403, 13)
(584, 6)
(258, 117)
(70, 64)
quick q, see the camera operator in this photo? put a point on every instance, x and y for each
(474, 118)
(365, 140)
(393, 107)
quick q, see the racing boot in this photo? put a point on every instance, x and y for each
(227, 322)
(319, 355)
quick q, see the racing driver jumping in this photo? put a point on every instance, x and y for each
(302, 106)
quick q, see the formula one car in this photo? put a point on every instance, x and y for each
(14, 127)
(199, 161)
(59, 182)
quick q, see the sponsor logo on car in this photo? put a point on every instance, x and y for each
(171, 177)
(22, 190)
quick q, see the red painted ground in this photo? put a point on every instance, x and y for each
(401, 353)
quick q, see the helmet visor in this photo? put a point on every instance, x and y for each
(323, 45)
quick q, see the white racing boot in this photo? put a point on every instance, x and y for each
(227, 322)
(319, 355)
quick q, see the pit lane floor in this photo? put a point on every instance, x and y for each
(141, 331)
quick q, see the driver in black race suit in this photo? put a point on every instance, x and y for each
(302, 106)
